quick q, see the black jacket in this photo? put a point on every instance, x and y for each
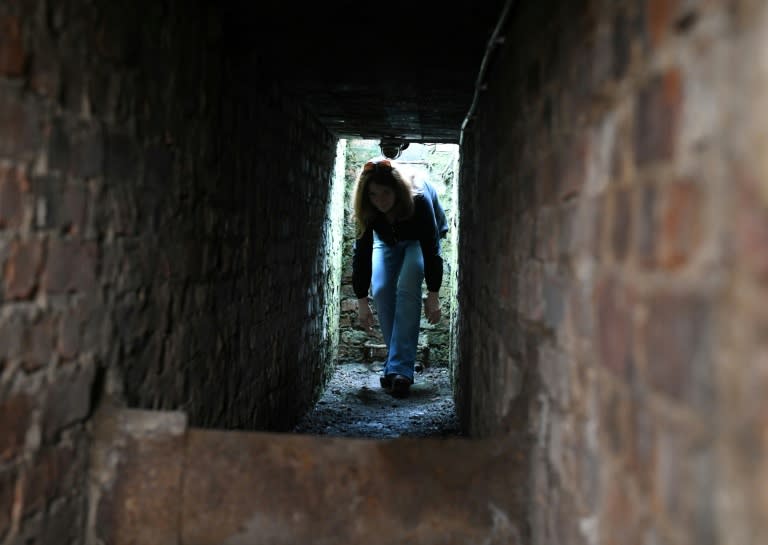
(421, 226)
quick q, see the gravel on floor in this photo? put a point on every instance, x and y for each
(354, 405)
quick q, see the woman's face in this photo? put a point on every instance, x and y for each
(381, 196)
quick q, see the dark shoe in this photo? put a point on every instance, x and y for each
(401, 386)
(386, 382)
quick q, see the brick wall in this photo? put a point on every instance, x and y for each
(163, 240)
(612, 286)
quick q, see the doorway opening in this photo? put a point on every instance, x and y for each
(352, 403)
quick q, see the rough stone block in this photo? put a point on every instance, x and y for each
(383, 492)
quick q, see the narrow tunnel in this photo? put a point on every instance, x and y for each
(170, 282)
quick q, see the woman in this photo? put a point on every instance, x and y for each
(397, 247)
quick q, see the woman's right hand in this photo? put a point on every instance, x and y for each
(365, 314)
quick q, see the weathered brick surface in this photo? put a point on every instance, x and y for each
(13, 187)
(15, 419)
(637, 288)
(163, 237)
(21, 274)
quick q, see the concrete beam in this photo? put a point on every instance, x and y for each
(242, 488)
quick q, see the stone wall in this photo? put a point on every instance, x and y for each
(163, 240)
(612, 287)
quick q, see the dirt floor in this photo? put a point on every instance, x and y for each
(355, 405)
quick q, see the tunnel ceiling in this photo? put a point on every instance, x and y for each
(369, 69)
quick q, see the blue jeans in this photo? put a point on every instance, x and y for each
(398, 272)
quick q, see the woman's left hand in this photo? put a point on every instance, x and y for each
(432, 307)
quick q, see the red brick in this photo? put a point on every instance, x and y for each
(70, 266)
(657, 118)
(12, 54)
(15, 414)
(659, 15)
(39, 343)
(677, 340)
(615, 326)
(13, 187)
(22, 269)
(680, 224)
(752, 239)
